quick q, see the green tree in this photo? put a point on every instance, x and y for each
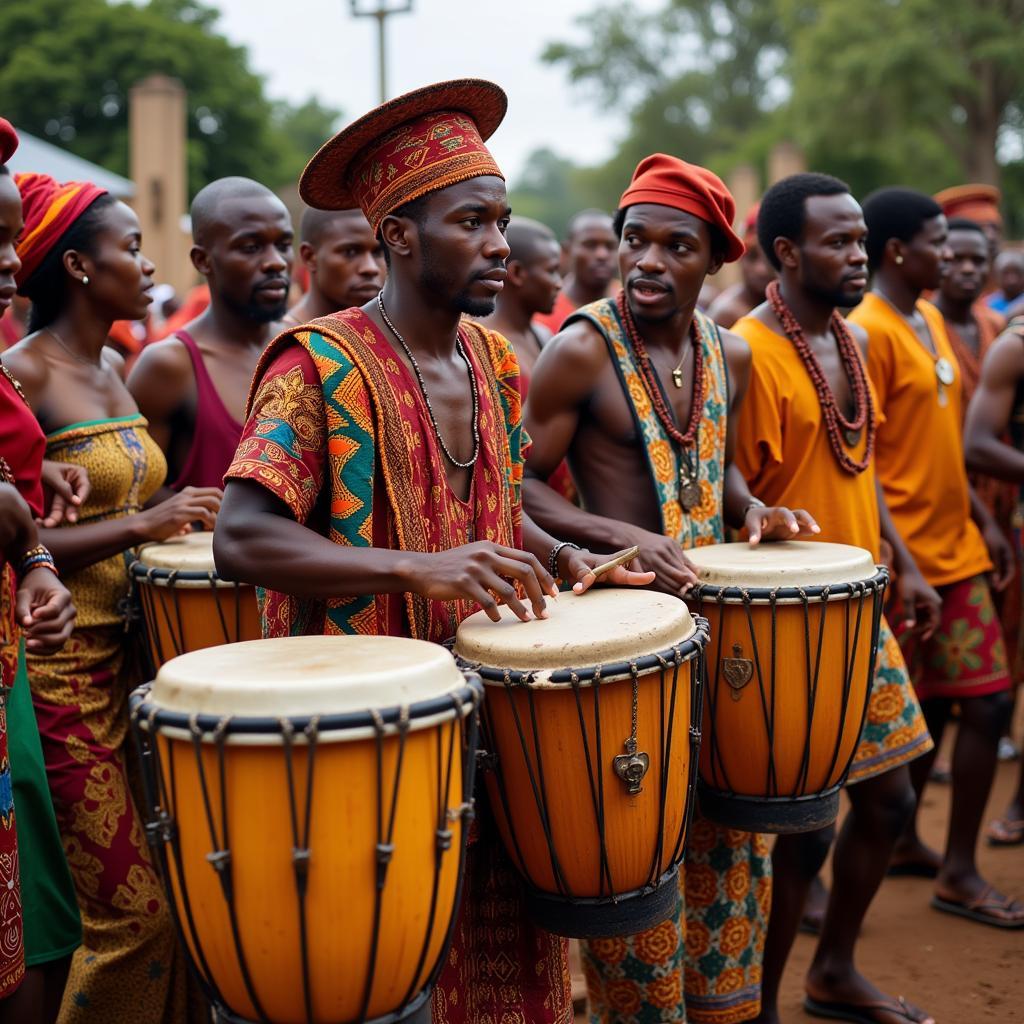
(66, 68)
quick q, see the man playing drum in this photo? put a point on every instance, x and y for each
(806, 436)
(640, 392)
(376, 486)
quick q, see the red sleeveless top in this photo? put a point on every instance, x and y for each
(216, 434)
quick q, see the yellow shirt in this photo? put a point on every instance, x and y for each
(919, 453)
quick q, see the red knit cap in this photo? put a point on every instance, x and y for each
(8, 140)
(49, 209)
(669, 181)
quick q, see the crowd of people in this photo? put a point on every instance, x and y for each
(457, 412)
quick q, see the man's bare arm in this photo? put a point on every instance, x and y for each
(159, 383)
(988, 415)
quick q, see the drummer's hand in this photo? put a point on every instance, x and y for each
(778, 523)
(576, 565)
(1001, 553)
(920, 603)
(67, 487)
(175, 516)
(45, 611)
(482, 572)
(673, 572)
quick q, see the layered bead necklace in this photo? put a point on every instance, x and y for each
(839, 428)
(689, 483)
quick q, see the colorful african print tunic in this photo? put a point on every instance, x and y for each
(704, 963)
(338, 430)
(129, 966)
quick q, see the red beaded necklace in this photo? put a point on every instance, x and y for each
(689, 436)
(836, 423)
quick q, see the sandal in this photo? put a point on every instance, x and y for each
(1005, 832)
(988, 907)
(867, 1013)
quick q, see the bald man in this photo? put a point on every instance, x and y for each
(345, 263)
(192, 387)
(589, 257)
(532, 286)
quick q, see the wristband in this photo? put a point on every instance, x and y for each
(35, 558)
(753, 503)
(555, 552)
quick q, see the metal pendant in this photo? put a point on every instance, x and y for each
(851, 437)
(689, 489)
(944, 371)
(738, 671)
(631, 767)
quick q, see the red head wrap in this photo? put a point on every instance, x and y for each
(750, 225)
(669, 181)
(49, 209)
(413, 145)
(979, 203)
(8, 140)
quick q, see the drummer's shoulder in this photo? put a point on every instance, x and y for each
(737, 351)
(167, 358)
(579, 346)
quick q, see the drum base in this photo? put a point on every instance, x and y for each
(601, 918)
(417, 1012)
(782, 815)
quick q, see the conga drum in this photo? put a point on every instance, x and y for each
(308, 800)
(186, 606)
(591, 725)
(794, 634)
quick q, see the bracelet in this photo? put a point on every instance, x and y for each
(555, 552)
(36, 557)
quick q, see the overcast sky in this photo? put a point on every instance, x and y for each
(315, 47)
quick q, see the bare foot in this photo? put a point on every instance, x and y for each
(912, 857)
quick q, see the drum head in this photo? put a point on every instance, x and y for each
(191, 553)
(292, 677)
(790, 563)
(601, 627)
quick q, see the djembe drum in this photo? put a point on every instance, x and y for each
(309, 799)
(592, 723)
(186, 606)
(794, 634)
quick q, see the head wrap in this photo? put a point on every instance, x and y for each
(979, 203)
(669, 181)
(8, 140)
(411, 146)
(49, 209)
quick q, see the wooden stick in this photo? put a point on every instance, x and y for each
(620, 558)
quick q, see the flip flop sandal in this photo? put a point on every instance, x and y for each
(1005, 832)
(865, 1013)
(981, 909)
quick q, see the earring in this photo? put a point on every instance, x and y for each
(898, 261)
(85, 277)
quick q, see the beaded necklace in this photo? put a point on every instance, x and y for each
(839, 428)
(689, 484)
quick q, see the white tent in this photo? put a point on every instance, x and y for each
(35, 154)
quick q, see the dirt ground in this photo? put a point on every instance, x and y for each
(963, 973)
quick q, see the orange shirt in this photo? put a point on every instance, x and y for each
(553, 321)
(919, 453)
(783, 450)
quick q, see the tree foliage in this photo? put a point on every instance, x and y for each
(926, 93)
(67, 66)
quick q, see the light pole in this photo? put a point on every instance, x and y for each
(381, 12)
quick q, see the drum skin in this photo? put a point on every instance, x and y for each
(183, 611)
(633, 823)
(737, 754)
(342, 876)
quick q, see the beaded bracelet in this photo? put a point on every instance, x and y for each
(38, 557)
(555, 552)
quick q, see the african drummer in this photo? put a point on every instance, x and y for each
(645, 389)
(376, 486)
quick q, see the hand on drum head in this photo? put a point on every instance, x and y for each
(175, 516)
(44, 611)
(778, 523)
(578, 566)
(67, 486)
(920, 604)
(482, 572)
(673, 572)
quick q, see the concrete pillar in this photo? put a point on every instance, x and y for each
(745, 185)
(157, 138)
(786, 158)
